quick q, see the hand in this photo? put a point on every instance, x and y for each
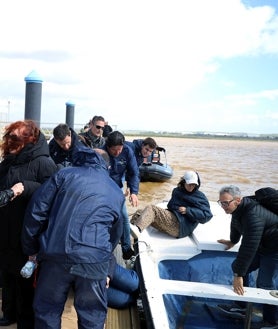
(133, 200)
(228, 243)
(107, 282)
(182, 210)
(17, 189)
(238, 285)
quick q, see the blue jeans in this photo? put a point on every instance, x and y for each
(54, 283)
(125, 238)
(123, 288)
(267, 265)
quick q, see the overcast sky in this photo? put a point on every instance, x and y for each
(190, 65)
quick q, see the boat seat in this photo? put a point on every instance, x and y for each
(218, 291)
(224, 292)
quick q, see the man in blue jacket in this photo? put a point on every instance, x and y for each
(123, 165)
(142, 148)
(73, 223)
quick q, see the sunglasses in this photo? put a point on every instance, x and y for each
(99, 127)
(14, 138)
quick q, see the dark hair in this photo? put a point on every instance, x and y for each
(61, 131)
(150, 141)
(97, 118)
(115, 138)
(107, 130)
(29, 133)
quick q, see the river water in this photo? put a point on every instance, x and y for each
(248, 164)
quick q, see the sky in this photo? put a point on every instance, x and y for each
(176, 66)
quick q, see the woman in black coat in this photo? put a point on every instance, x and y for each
(25, 159)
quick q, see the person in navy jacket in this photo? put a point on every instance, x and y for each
(142, 148)
(187, 208)
(73, 223)
(123, 164)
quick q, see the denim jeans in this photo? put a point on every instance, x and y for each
(123, 288)
(267, 265)
(125, 238)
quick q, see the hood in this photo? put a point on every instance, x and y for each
(32, 151)
(85, 156)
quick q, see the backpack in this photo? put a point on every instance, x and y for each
(268, 198)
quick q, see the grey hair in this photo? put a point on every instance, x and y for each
(233, 190)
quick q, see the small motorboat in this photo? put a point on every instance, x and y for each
(154, 170)
(187, 282)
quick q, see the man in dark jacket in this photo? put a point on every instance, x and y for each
(258, 228)
(142, 148)
(73, 223)
(93, 136)
(123, 165)
(62, 144)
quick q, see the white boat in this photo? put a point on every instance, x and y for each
(184, 280)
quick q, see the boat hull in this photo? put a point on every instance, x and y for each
(153, 172)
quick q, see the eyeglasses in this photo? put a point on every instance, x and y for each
(224, 203)
(99, 127)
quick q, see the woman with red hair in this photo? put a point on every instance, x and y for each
(25, 158)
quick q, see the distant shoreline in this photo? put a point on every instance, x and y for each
(270, 137)
(47, 129)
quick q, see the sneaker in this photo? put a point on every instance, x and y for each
(232, 310)
(130, 262)
(128, 254)
(135, 231)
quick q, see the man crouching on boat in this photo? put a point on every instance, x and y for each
(187, 208)
(258, 228)
(73, 223)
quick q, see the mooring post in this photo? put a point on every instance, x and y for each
(33, 95)
(70, 114)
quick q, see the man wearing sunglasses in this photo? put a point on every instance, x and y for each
(93, 136)
(258, 229)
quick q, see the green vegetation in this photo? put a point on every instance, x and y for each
(239, 136)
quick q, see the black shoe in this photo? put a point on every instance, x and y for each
(128, 254)
(6, 322)
(232, 310)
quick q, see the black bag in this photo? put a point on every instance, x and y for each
(268, 198)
